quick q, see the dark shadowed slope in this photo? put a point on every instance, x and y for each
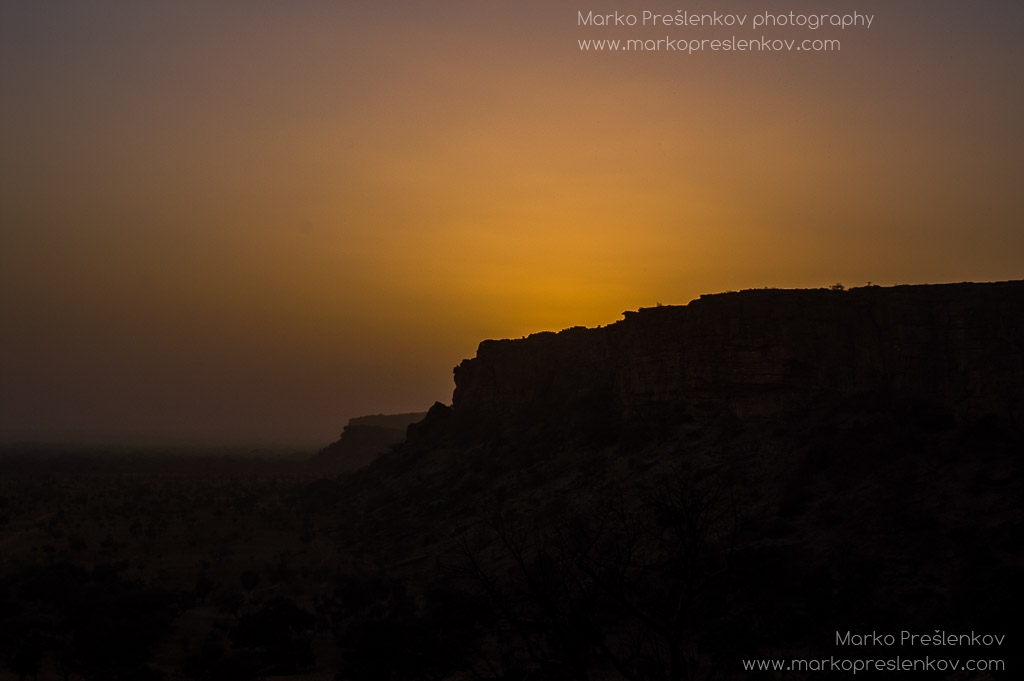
(866, 442)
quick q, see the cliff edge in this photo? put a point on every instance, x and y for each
(952, 352)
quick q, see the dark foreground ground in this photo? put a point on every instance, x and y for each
(675, 558)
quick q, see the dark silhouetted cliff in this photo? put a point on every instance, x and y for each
(739, 477)
(939, 352)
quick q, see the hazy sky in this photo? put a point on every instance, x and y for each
(247, 222)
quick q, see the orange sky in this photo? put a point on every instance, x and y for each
(249, 223)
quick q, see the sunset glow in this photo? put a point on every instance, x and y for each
(250, 222)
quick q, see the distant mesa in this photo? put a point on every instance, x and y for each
(364, 439)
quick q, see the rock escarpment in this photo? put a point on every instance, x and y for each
(952, 352)
(854, 455)
(364, 439)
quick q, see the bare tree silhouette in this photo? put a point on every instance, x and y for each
(624, 587)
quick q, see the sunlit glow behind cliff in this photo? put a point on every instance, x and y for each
(253, 222)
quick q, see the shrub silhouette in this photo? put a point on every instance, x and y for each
(386, 633)
(281, 632)
(629, 587)
(91, 624)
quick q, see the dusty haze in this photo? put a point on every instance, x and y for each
(248, 223)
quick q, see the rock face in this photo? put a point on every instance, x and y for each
(952, 352)
(856, 454)
(365, 438)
